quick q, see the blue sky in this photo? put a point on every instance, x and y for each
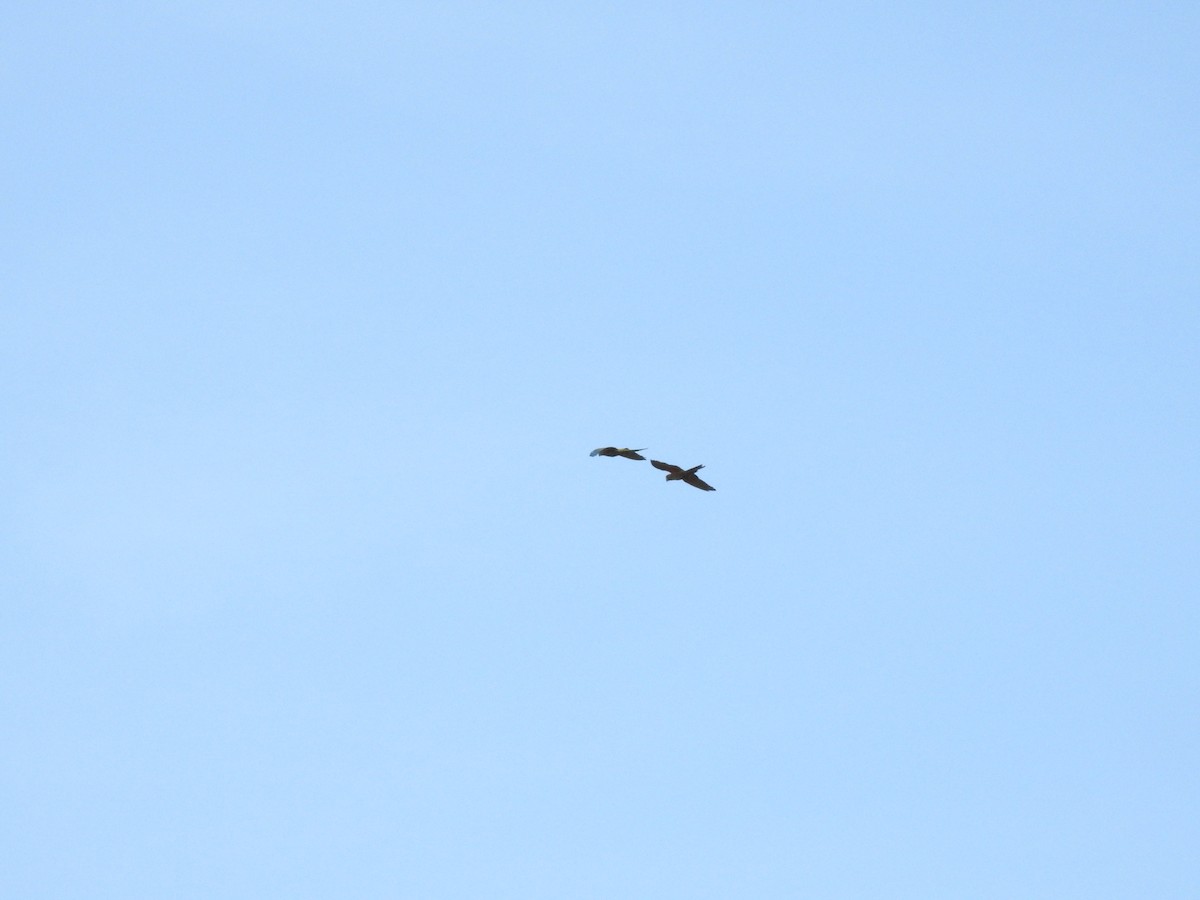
(313, 312)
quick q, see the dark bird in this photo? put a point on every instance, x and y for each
(615, 451)
(688, 476)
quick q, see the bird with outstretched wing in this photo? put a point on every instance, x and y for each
(618, 451)
(687, 476)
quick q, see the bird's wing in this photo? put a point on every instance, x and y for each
(631, 454)
(696, 481)
(666, 467)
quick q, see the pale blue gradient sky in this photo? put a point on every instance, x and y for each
(312, 313)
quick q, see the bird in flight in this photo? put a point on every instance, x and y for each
(615, 451)
(688, 476)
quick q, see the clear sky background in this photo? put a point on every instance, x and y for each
(313, 311)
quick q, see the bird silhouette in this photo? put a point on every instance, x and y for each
(688, 476)
(614, 451)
